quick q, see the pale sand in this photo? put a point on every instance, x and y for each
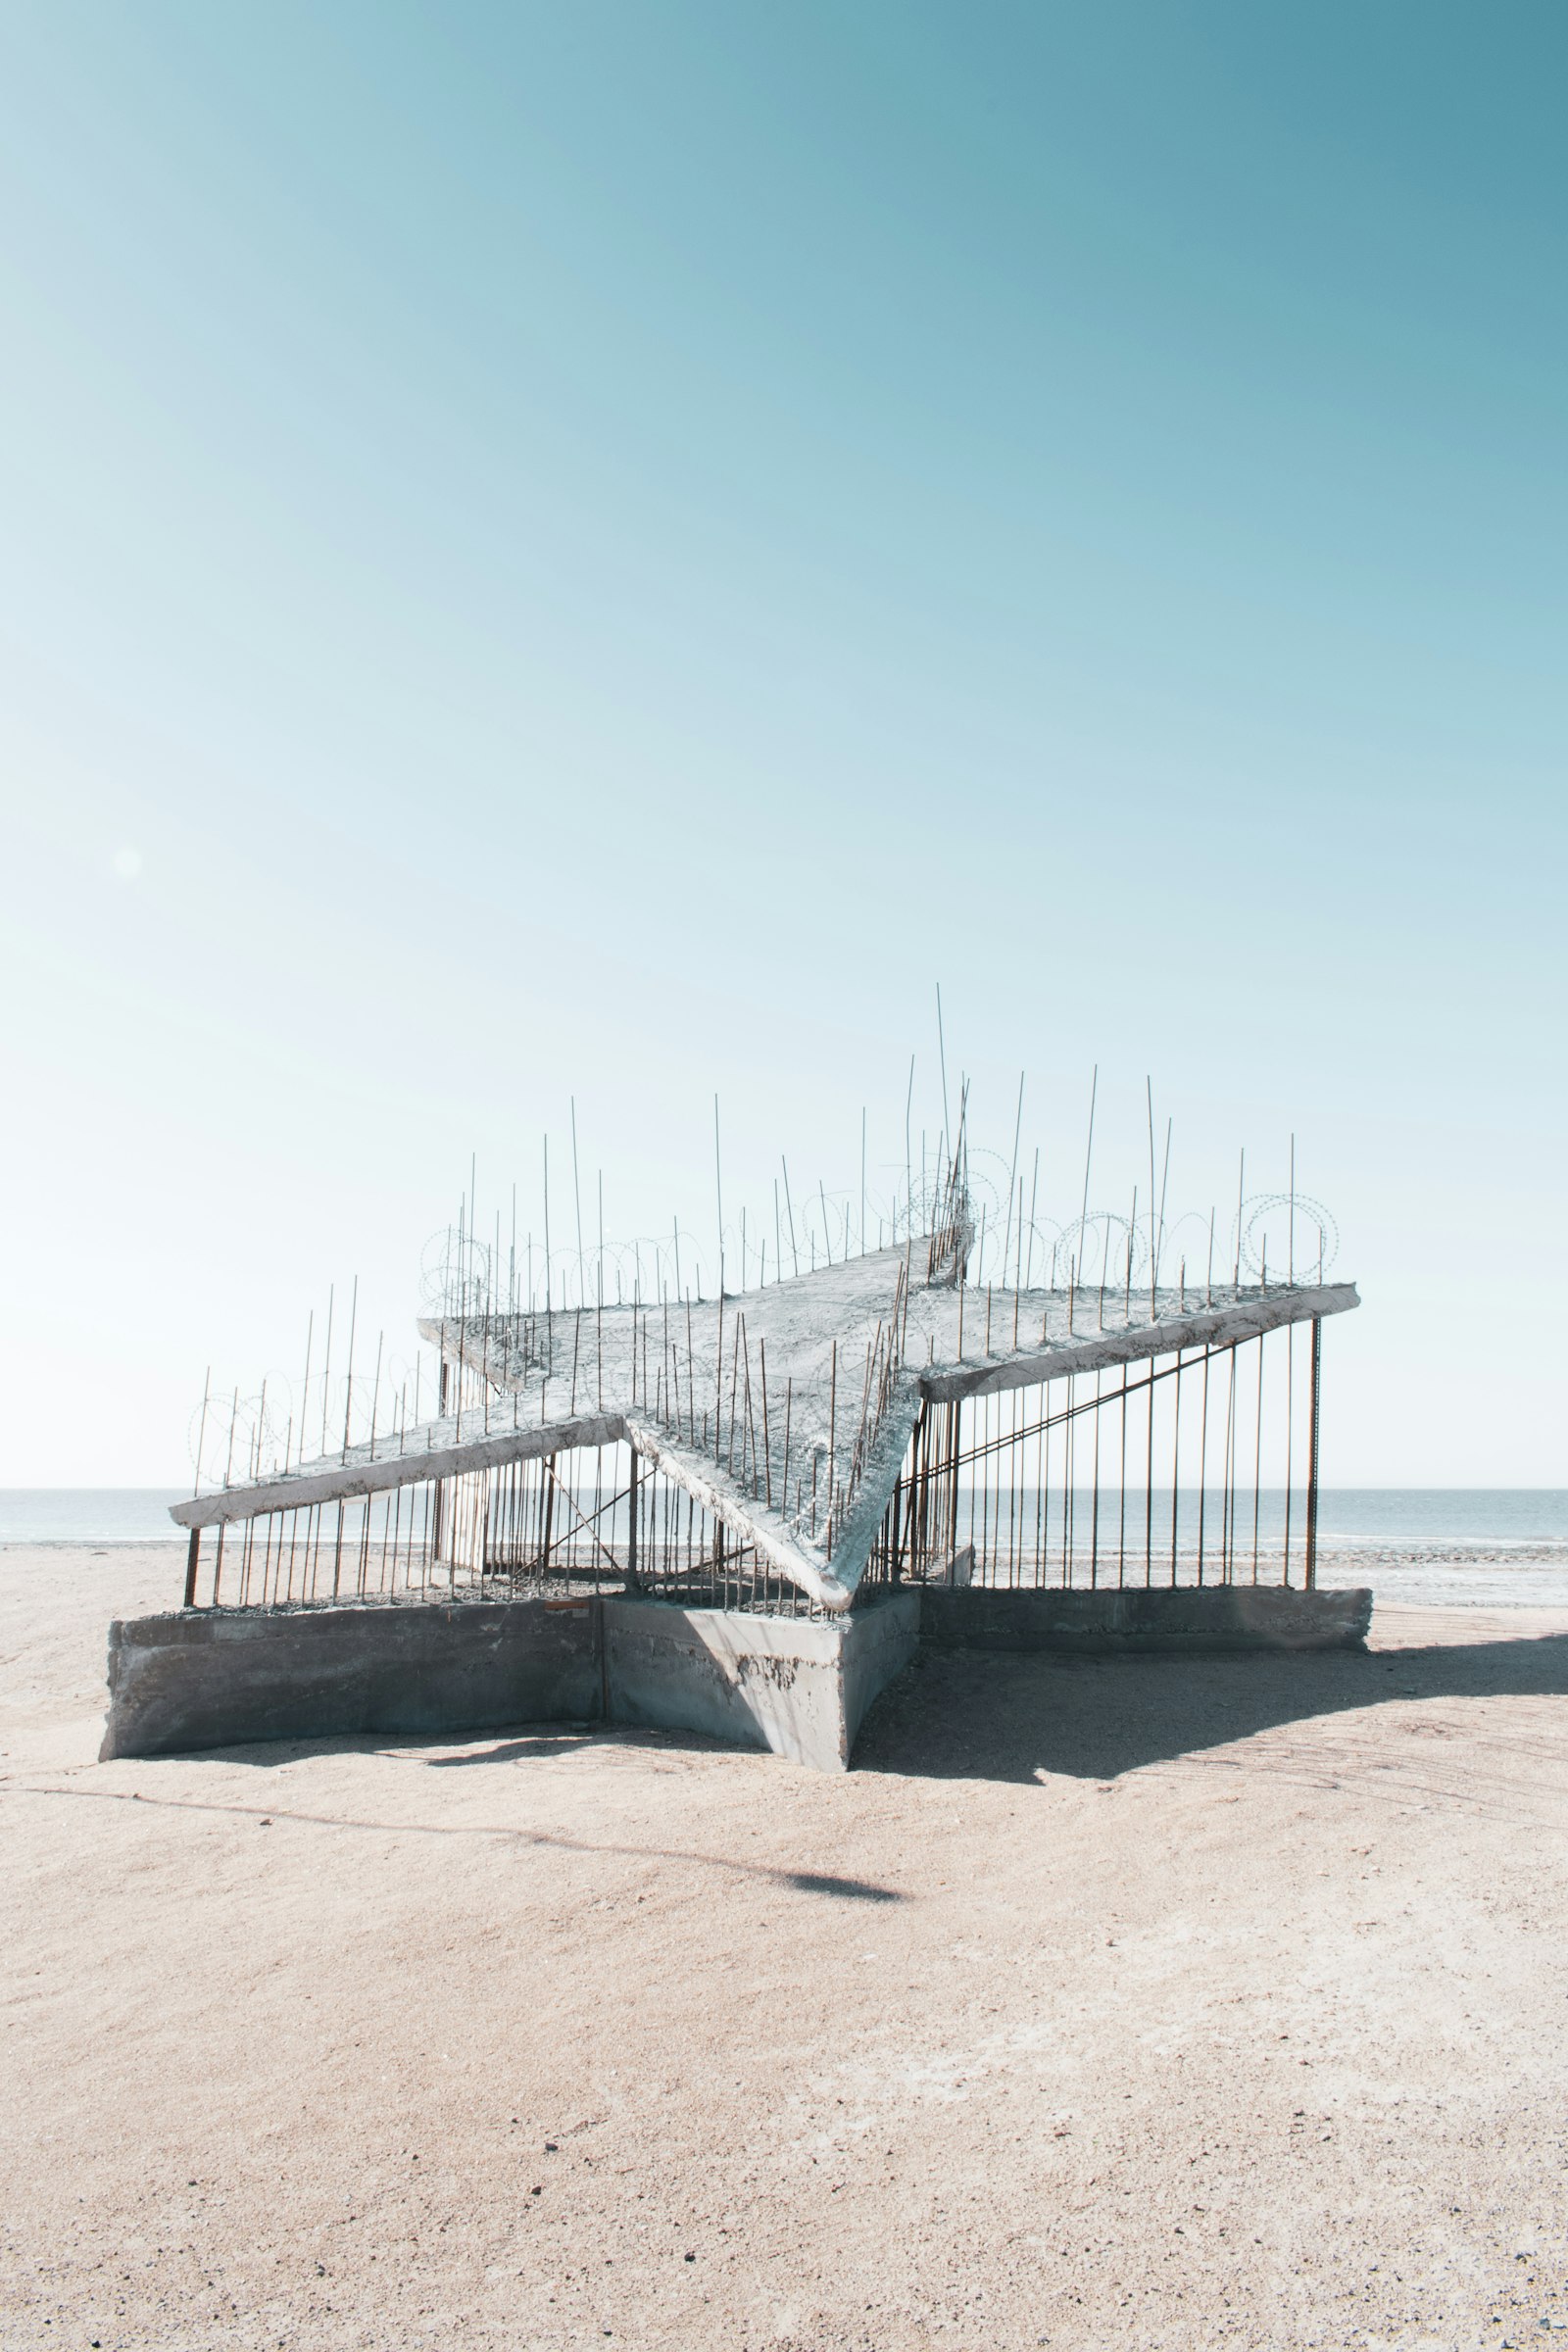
(1141, 2002)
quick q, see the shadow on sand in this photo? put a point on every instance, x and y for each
(1008, 1716)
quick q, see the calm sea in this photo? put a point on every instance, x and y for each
(1483, 1545)
(90, 1515)
(1480, 1546)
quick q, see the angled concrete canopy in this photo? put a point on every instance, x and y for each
(785, 1412)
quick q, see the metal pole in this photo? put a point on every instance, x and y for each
(1311, 1459)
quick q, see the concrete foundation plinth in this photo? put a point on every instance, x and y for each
(1173, 1618)
(222, 1678)
(799, 1686)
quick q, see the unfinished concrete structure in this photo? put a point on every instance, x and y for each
(739, 1515)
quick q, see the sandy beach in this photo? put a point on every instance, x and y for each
(1144, 2001)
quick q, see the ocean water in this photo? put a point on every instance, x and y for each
(1462, 1515)
(1484, 1547)
(1481, 1547)
(90, 1515)
(1425, 1545)
(1475, 1546)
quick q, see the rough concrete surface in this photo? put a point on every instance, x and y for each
(1135, 2000)
(795, 1684)
(195, 1679)
(198, 1677)
(1184, 1617)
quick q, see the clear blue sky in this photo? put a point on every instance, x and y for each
(600, 550)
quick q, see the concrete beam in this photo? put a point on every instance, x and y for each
(743, 1515)
(1216, 1327)
(357, 1474)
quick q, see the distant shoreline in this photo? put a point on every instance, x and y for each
(1466, 1574)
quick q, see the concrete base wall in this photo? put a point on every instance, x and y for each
(221, 1678)
(796, 1685)
(878, 1643)
(1184, 1618)
(800, 1686)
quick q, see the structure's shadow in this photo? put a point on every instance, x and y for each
(998, 1715)
(502, 1834)
(548, 1742)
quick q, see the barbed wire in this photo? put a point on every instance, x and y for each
(1289, 1234)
